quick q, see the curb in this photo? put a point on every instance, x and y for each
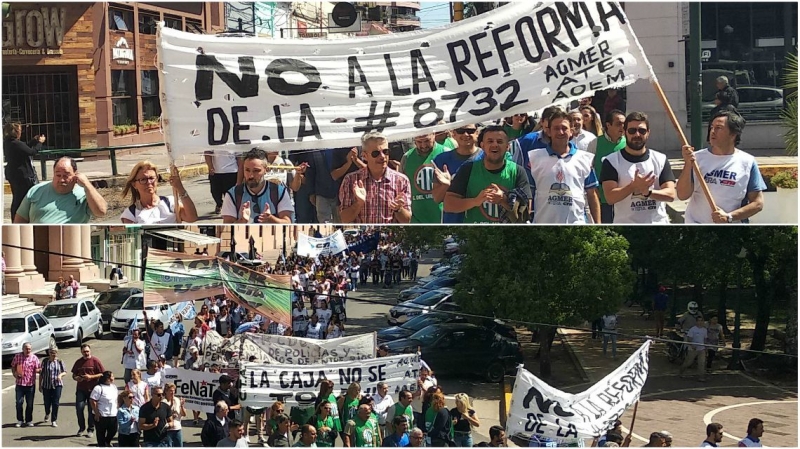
(576, 358)
(187, 172)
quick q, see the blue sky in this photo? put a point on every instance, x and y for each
(434, 14)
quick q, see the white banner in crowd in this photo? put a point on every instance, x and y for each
(234, 93)
(278, 349)
(308, 351)
(537, 409)
(308, 246)
(262, 385)
(197, 387)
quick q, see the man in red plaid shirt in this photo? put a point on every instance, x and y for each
(25, 365)
(375, 193)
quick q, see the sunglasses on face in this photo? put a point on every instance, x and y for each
(634, 131)
(377, 153)
(130, 397)
(158, 394)
(469, 131)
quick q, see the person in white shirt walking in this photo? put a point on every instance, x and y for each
(610, 333)
(383, 402)
(223, 169)
(580, 137)
(638, 181)
(731, 174)
(755, 429)
(103, 400)
(696, 339)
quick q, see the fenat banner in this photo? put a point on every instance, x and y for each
(235, 93)
(262, 385)
(308, 246)
(196, 387)
(539, 410)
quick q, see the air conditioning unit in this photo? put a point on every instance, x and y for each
(344, 19)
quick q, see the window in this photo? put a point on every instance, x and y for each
(90, 306)
(32, 327)
(120, 19)
(148, 22)
(173, 22)
(151, 106)
(194, 26)
(40, 320)
(123, 102)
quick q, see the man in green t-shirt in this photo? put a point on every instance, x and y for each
(417, 164)
(445, 139)
(480, 188)
(361, 431)
(401, 408)
(610, 142)
(70, 198)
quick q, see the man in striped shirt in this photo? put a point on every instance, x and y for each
(24, 366)
(376, 193)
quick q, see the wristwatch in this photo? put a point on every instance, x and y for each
(649, 192)
(730, 218)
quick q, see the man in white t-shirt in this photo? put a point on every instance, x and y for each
(731, 174)
(638, 181)
(696, 339)
(610, 333)
(564, 178)
(580, 137)
(223, 168)
(755, 429)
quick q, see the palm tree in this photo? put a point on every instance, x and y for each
(789, 114)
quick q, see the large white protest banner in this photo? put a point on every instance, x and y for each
(308, 351)
(197, 387)
(233, 93)
(537, 409)
(262, 385)
(308, 246)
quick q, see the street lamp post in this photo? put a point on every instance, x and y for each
(736, 361)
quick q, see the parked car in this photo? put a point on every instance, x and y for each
(132, 309)
(21, 328)
(241, 258)
(425, 303)
(416, 324)
(436, 274)
(411, 293)
(454, 261)
(458, 348)
(756, 103)
(74, 319)
(110, 301)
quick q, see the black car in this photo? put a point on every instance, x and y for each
(108, 302)
(411, 293)
(457, 348)
(416, 324)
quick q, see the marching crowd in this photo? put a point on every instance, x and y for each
(569, 167)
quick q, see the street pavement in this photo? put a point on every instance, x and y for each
(682, 406)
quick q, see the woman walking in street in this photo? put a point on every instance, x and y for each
(176, 404)
(139, 388)
(51, 382)
(19, 165)
(464, 419)
(103, 400)
(127, 420)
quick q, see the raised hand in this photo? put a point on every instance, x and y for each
(441, 176)
(245, 212)
(360, 191)
(641, 184)
(688, 154)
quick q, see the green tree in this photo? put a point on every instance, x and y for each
(549, 275)
(421, 237)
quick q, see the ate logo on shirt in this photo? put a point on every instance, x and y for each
(560, 194)
(490, 211)
(721, 177)
(423, 178)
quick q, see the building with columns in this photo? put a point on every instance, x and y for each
(83, 251)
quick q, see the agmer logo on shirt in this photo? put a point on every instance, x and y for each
(721, 177)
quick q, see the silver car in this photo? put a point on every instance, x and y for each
(74, 319)
(30, 327)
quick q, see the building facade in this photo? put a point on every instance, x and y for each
(38, 254)
(84, 74)
(747, 42)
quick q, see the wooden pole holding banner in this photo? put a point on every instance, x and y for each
(633, 419)
(174, 172)
(697, 174)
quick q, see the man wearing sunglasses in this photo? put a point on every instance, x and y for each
(256, 200)
(480, 188)
(563, 177)
(375, 193)
(417, 165)
(154, 417)
(732, 176)
(448, 163)
(638, 181)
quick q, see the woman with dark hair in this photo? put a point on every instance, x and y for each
(19, 164)
(103, 400)
(324, 423)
